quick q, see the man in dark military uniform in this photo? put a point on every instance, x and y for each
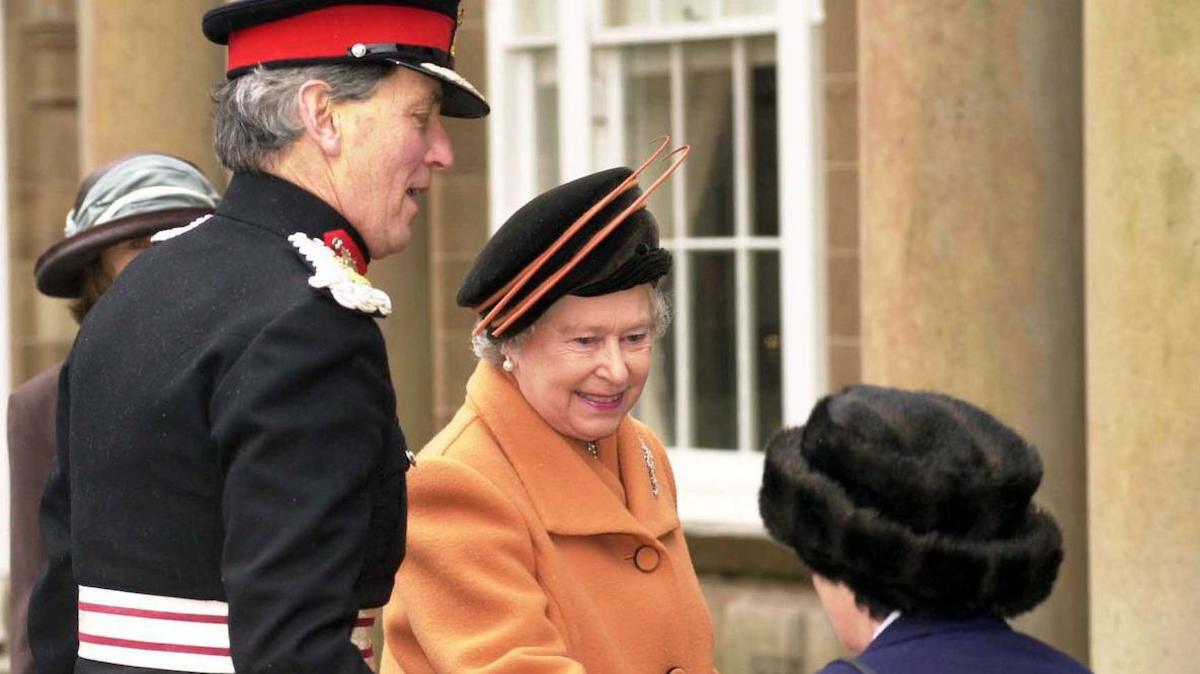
(229, 487)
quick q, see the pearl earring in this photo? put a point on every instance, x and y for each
(508, 364)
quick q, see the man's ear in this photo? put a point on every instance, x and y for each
(316, 113)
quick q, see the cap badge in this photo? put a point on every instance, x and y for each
(336, 273)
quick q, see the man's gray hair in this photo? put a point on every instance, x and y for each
(255, 116)
(492, 349)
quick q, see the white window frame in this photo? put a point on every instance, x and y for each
(717, 488)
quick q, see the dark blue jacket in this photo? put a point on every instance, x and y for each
(978, 645)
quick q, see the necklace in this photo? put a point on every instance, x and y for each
(592, 449)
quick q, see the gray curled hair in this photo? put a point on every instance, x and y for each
(255, 116)
(492, 349)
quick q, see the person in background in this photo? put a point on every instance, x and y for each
(117, 208)
(543, 529)
(913, 511)
(230, 484)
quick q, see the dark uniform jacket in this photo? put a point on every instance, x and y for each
(979, 645)
(227, 432)
(30, 453)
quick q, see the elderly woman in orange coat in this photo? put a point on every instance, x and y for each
(543, 535)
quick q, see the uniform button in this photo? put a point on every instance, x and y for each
(646, 559)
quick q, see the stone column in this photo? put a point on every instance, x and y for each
(1142, 74)
(42, 118)
(145, 72)
(971, 243)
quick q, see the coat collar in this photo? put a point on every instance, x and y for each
(569, 496)
(285, 208)
(906, 628)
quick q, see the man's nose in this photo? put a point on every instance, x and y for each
(441, 153)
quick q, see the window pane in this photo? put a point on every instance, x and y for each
(749, 7)
(768, 382)
(535, 17)
(686, 11)
(545, 122)
(616, 13)
(713, 366)
(764, 148)
(709, 104)
(657, 405)
(648, 116)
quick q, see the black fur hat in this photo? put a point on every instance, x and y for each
(916, 501)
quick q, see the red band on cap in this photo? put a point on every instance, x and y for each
(330, 32)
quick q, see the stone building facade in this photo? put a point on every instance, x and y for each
(1007, 208)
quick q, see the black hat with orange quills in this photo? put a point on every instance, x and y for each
(588, 237)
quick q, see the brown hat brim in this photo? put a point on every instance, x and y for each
(58, 270)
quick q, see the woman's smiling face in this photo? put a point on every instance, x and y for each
(585, 362)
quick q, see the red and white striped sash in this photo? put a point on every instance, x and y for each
(183, 635)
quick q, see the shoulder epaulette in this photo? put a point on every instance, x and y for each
(334, 274)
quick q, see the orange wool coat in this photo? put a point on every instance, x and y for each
(521, 559)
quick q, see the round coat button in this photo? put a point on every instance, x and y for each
(646, 559)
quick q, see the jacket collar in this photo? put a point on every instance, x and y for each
(284, 208)
(570, 498)
(906, 628)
